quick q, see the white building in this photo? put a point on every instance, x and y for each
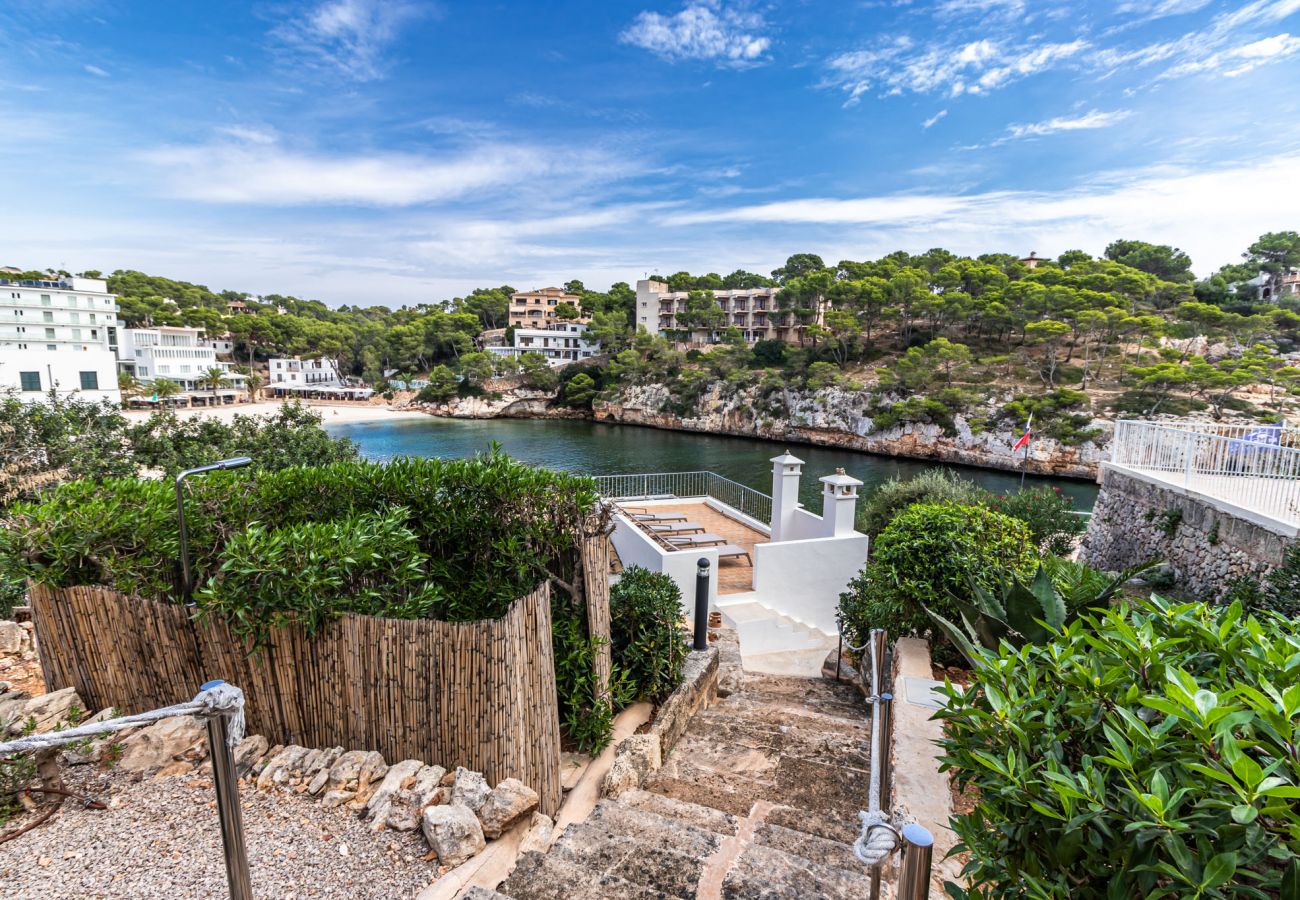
(755, 312)
(222, 346)
(61, 335)
(294, 372)
(560, 344)
(181, 355)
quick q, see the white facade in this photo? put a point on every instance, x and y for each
(560, 344)
(304, 373)
(753, 311)
(58, 335)
(222, 346)
(177, 354)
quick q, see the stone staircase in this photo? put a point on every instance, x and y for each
(758, 800)
(775, 643)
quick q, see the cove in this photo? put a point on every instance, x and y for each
(595, 448)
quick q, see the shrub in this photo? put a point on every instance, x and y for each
(1278, 591)
(931, 486)
(1049, 515)
(1148, 751)
(649, 643)
(927, 553)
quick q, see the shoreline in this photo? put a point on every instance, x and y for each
(331, 414)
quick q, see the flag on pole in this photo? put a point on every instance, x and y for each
(1024, 439)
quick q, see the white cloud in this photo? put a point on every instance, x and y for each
(1240, 60)
(248, 134)
(934, 119)
(1089, 120)
(1169, 204)
(973, 67)
(349, 37)
(1147, 10)
(261, 173)
(96, 71)
(703, 29)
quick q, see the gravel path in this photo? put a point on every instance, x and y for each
(161, 839)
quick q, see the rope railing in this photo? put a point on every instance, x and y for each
(222, 705)
(883, 832)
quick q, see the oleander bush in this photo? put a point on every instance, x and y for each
(649, 640)
(1048, 513)
(1148, 750)
(927, 553)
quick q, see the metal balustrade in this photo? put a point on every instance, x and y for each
(665, 485)
(1254, 467)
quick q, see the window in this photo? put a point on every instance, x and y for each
(142, 371)
(90, 381)
(75, 317)
(30, 381)
(51, 346)
(45, 299)
(47, 317)
(49, 334)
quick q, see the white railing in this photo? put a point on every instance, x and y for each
(1254, 467)
(665, 485)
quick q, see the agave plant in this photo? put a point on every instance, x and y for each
(1028, 613)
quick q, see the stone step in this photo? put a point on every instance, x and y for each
(633, 858)
(811, 847)
(481, 893)
(652, 828)
(705, 817)
(766, 873)
(716, 792)
(555, 877)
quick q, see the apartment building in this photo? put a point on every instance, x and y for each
(560, 344)
(58, 335)
(754, 311)
(178, 354)
(536, 309)
(293, 372)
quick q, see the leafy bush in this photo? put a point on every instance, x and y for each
(931, 486)
(1148, 751)
(649, 642)
(1278, 591)
(1049, 515)
(927, 553)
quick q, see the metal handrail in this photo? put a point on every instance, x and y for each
(1253, 467)
(739, 497)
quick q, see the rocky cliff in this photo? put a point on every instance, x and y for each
(831, 418)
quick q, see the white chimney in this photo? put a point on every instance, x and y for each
(839, 503)
(786, 470)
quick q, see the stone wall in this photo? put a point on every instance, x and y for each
(1204, 543)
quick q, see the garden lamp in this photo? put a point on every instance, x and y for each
(236, 462)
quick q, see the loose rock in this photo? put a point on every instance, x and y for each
(469, 789)
(509, 802)
(453, 832)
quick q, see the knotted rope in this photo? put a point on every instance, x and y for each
(219, 699)
(878, 837)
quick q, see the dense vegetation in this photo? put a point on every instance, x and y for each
(1149, 750)
(456, 540)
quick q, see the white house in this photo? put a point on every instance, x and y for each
(61, 335)
(294, 372)
(560, 344)
(181, 355)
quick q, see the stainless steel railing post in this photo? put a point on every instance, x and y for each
(918, 851)
(232, 824)
(886, 748)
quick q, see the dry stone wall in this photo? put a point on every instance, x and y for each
(1135, 520)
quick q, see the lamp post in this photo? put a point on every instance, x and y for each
(237, 462)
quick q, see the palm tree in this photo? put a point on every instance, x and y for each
(254, 384)
(164, 389)
(214, 378)
(129, 385)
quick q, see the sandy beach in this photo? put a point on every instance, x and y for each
(331, 414)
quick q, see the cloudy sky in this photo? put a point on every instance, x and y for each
(382, 151)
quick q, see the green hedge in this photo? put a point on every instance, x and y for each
(649, 641)
(1148, 751)
(927, 553)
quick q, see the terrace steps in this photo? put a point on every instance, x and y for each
(759, 799)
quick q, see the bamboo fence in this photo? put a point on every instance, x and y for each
(476, 694)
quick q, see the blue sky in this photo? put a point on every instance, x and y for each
(399, 152)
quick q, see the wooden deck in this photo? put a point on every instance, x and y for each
(735, 576)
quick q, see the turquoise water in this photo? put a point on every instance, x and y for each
(599, 449)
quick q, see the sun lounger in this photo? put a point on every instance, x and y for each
(730, 551)
(672, 528)
(696, 540)
(657, 517)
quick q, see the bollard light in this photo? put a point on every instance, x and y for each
(702, 604)
(236, 462)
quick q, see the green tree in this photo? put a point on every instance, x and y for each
(566, 312)
(476, 367)
(1161, 260)
(164, 389)
(579, 391)
(1275, 254)
(537, 372)
(212, 378)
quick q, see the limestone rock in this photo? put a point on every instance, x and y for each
(47, 710)
(343, 775)
(509, 802)
(322, 763)
(400, 775)
(469, 789)
(281, 767)
(453, 832)
(539, 834)
(634, 759)
(408, 804)
(249, 751)
(336, 798)
(13, 639)
(261, 763)
(162, 743)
